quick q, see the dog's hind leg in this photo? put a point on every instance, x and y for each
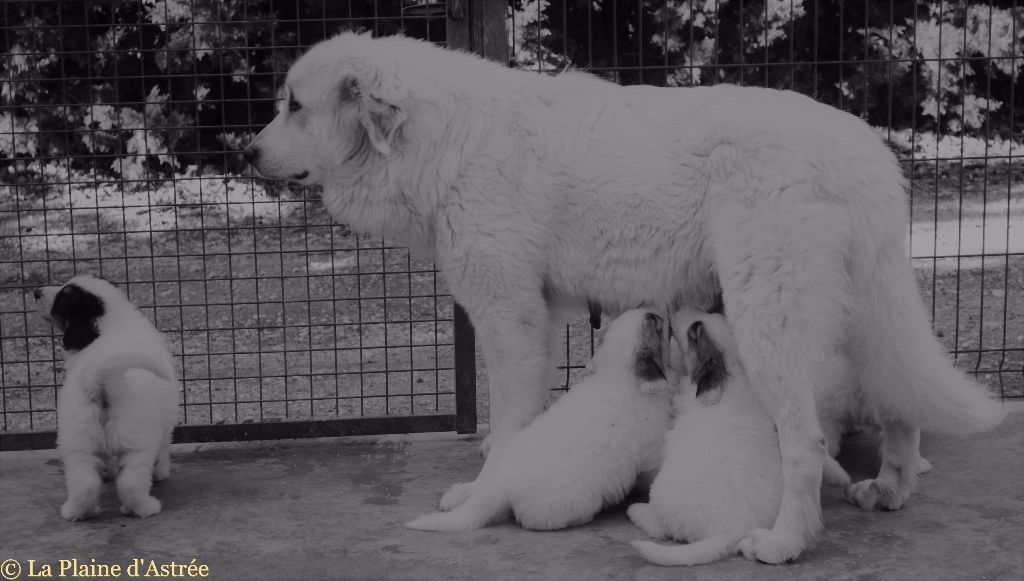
(897, 478)
(905, 372)
(134, 482)
(82, 475)
(785, 288)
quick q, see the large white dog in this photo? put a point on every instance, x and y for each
(537, 194)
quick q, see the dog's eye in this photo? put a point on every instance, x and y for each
(293, 105)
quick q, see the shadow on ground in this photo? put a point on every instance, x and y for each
(333, 509)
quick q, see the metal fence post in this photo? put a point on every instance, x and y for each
(465, 373)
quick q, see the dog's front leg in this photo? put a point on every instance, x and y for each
(515, 342)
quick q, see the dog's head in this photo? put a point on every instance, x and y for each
(340, 106)
(77, 308)
(705, 343)
(634, 343)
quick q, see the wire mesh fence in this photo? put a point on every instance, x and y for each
(120, 132)
(119, 143)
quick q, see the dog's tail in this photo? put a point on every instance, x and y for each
(477, 511)
(94, 375)
(905, 370)
(702, 552)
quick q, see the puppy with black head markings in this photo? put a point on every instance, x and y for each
(119, 402)
(586, 451)
(722, 473)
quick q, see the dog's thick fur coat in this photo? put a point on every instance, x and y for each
(582, 454)
(119, 402)
(536, 194)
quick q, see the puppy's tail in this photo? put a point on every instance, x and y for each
(702, 552)
(476, 512)
(92, 375)
(905, 370)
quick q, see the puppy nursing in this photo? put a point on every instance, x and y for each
(722, 473)
(118, 405)
(582, 454)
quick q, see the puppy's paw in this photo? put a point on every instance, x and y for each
(161, 472)
(147, 506)
(73, 511)
(774, 547)
(485, 446)
(923, 466)
(875, 494)
(642, 515)
(834, 475)
(653, 387)
(456, 495)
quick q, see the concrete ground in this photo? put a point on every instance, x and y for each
(334, 508)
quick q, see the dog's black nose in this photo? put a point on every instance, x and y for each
(251, 154)
(38, 293)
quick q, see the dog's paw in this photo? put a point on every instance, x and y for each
(147, 506)
(875, 494)
(73, 511)
(771, 546)
(923, 466)
(456, 495)
(642, 515)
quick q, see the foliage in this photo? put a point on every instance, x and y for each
(947, 67)
(138, 89)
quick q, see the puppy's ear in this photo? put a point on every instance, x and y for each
(76, 311)
(380, 118)
(709, 369)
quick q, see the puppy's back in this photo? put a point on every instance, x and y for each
(725, 465)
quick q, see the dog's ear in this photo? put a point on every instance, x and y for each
(379, 117)
(709, 369)
(75, 311)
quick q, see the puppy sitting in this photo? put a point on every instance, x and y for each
(722, 473)
(585, 452)
(118, 405)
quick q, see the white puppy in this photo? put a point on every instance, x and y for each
(722, 474)
(585, 452)
(118, 405)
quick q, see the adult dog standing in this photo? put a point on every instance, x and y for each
(538, 194)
